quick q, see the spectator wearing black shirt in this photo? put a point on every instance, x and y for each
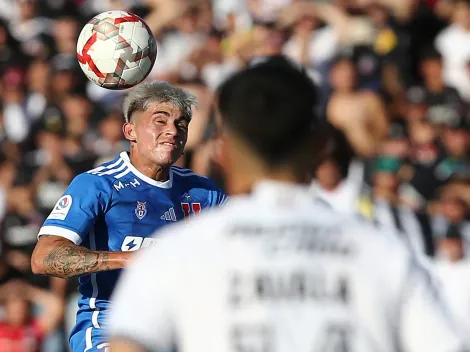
(19, 233)
(444, 102)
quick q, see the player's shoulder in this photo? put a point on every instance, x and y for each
(184, 175)
(103, 176)
(112, 169)
(376, 241)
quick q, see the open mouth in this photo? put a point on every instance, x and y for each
(169, 145)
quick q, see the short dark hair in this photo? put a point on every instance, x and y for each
(271, 106)
(337, 148)
(430, 53)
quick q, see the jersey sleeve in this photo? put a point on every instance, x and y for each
(76, 211)
(218, 198)
(141, 307)
(424, 323)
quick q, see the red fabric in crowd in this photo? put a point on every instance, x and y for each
(26, 338)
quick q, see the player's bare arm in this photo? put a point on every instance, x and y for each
(60, 257)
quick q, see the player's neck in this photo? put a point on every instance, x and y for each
(245, 184)
(241, 182)
(155, 172)
(244, 169)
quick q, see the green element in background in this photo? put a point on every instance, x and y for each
(387, 164)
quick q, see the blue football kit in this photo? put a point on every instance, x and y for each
(114, 207)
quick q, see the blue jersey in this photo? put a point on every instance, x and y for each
(116, 208)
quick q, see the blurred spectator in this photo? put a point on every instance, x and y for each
(454, 45)
(424, 156)
(443, 102)
(110, 141)
(384, 205)
(21, 331)
(453, 274)
(65, 34)
(14, 116)
(30, 29)
(53, 174)
(338, 179)
(64, 78)
(10, 52)
(451, 219)
(178, 45)
(359, 114)
(19, 232)
(38, 89)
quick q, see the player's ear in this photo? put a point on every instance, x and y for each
(222, 151)
(129, 131)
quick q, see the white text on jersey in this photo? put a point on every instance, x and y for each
(119, 185)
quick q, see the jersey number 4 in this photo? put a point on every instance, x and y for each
(190, 208)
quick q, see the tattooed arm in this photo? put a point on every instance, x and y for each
(60, 257)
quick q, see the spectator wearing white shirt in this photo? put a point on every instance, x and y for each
(338, 179)
(453, 273)
(454, 45)
(177, 46)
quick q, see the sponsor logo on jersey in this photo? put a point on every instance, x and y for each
(141, 210)
(62, 208)
(169, 215)
(134, 243)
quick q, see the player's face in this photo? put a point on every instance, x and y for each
(161, 133)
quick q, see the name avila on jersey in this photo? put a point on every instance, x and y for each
(119, 185)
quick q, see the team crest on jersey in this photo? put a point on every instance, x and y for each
(140, 210)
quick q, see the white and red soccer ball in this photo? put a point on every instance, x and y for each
(116, 50)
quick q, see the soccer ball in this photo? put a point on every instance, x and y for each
(116, 50)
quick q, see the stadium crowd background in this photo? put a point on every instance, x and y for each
(394, 77)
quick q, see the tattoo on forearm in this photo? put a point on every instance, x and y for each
(69, 260)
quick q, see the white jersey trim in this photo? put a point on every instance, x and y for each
(114, 170)
(166, 184)
(94, 318)
(101, 168)
(61, 232)
(94, 285)
(89, 343)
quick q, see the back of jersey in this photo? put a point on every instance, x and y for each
(274, 272)
(295, 281)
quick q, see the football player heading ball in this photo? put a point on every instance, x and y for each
(111, 211)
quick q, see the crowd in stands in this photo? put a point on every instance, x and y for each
(394, 85)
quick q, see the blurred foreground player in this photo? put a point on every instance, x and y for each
(111, 211)
(273, 271)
